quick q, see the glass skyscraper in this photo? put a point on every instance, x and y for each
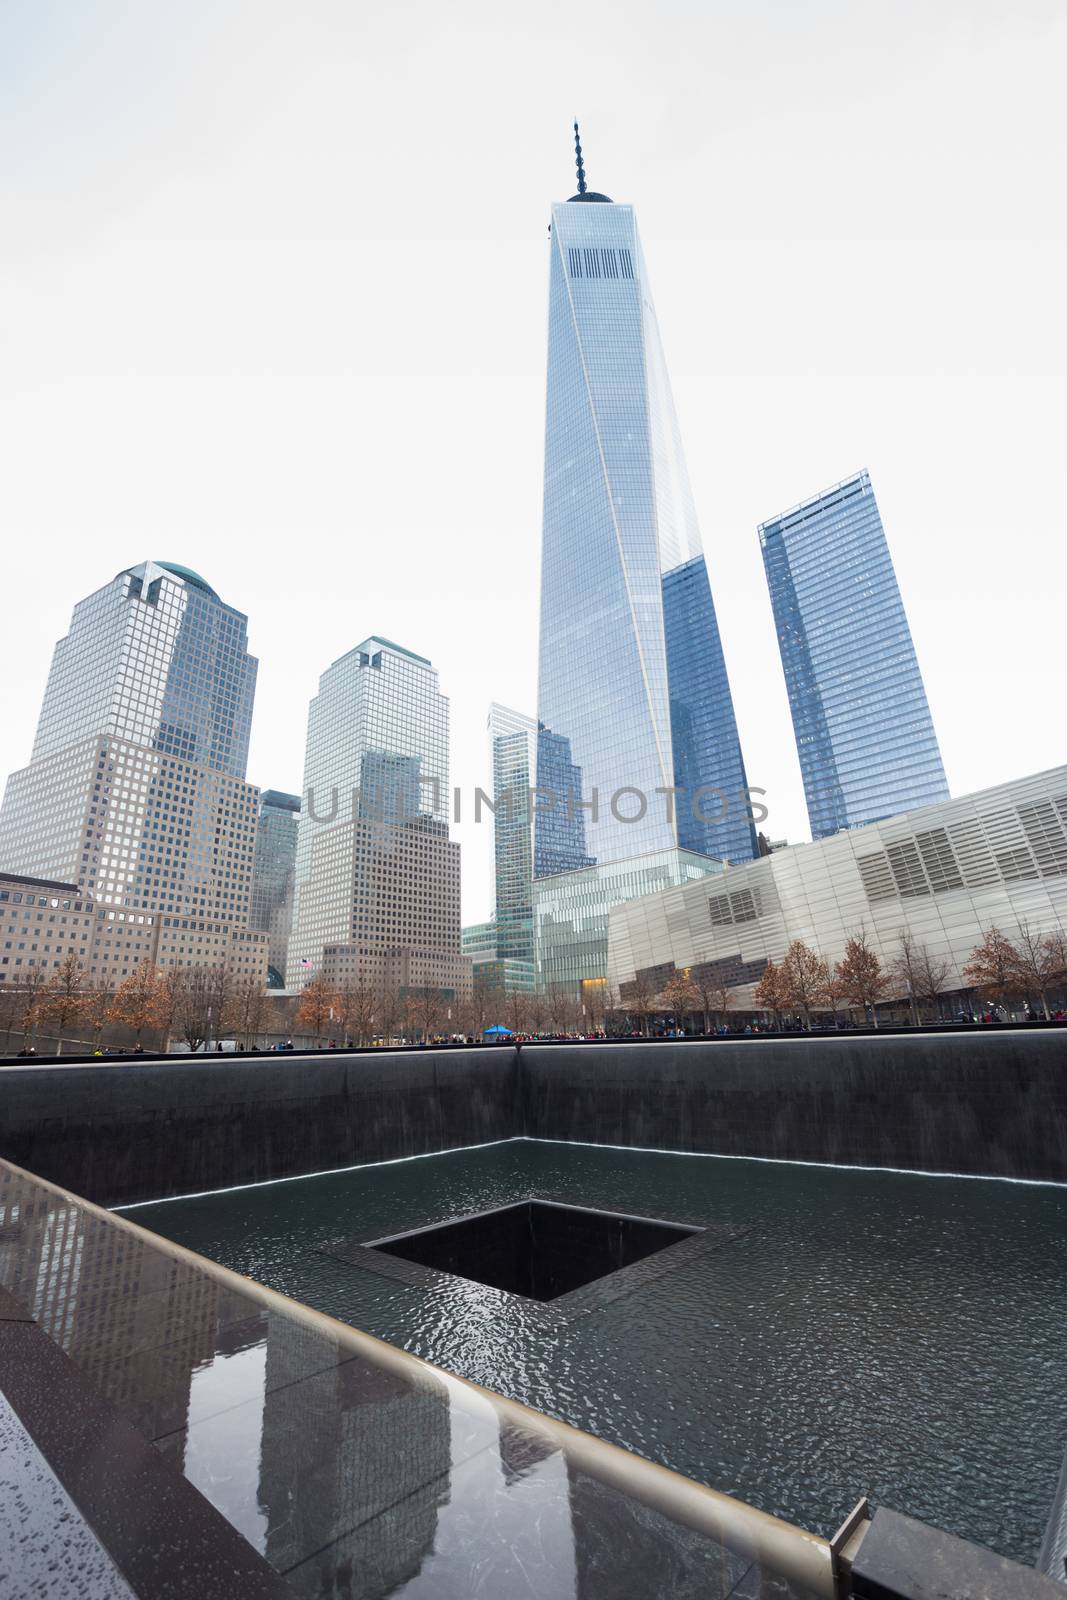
(156, 658)
(376, 896)
(272, 878)
(633, 694)
(631, 670)
(863, 728)
(513, 743)
(136, 787)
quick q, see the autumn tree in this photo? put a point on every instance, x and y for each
(862, 974)
(707, 983)
(804, 975)
(64, 1000)
(99, 1006)
(138, 1003)
(994, 967)
(679, 996)
(770, 992)
(319, 1005)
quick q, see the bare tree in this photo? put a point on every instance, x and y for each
(64, 999)
(1039, 963)
(931, 976)
(426, 1011)
(706, 983)
(723, 1000)
(32, 993)
(904, 970)
(804, 976)
(222, 997)
(193, 1012)
(836, 989)
(640, 1002)
(170, 993)
(594, 1003)
(9, 1011)
(250, 1009)
(611, 1018)
(358, 1007)
(863, 975)
(518, 1011)
(536, 1011)
(390, 1007)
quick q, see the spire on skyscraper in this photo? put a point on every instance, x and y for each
(578, 159)
(584, 192)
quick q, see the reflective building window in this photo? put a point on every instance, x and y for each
(627, 653)
(863, 728)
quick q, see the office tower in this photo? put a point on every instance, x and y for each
(272, 877)
(513, 744)
(135, 789)
(631, 673)
(376, 895)
(863, 729)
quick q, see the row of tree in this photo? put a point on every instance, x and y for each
(199, 1004)
(194, 1004)
(364, 1011)
(1031, 966)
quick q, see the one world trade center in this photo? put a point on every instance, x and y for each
(634, 702)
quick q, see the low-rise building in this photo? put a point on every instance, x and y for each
(944, 873)
(42, 922)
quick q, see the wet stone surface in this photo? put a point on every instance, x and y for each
(877, 1333)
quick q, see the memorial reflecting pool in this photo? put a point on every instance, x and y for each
(870, 1332)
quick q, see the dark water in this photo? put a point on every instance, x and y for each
(875, 1333)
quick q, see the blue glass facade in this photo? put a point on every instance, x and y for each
(559, 815)
(703, 730)
(618, 517)
(863, 728)
(513, 742)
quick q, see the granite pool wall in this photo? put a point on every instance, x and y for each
(991, 1104)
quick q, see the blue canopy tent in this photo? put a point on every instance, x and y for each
(496, 1030)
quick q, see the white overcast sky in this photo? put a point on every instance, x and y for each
(273, 304)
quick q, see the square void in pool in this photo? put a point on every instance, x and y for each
(539, 1249)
